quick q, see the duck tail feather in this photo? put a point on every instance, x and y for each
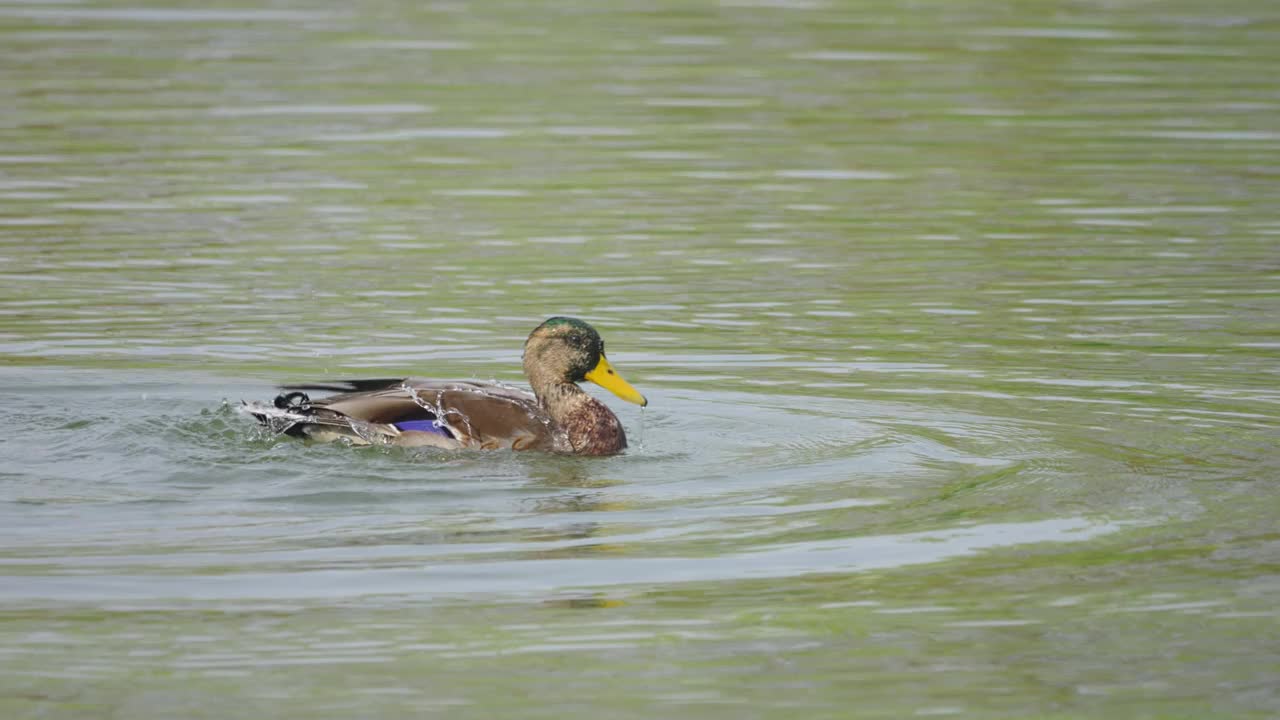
(345, 386)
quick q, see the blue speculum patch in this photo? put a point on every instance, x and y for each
(431, 426)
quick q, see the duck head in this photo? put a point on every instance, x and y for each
(568, 350)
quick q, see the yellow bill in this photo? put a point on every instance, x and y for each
(606, 377)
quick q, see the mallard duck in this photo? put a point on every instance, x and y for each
(556, 417)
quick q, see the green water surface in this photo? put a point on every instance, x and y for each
(959, 321)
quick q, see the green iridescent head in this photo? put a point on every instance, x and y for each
(572, 351)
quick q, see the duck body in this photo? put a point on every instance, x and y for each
(557, 416)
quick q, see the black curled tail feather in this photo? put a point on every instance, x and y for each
(295, 402)
(291, 414)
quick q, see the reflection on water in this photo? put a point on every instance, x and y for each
(958, 322)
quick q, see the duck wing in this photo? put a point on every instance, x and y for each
(461, 413)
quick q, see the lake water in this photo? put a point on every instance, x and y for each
(959, 321)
